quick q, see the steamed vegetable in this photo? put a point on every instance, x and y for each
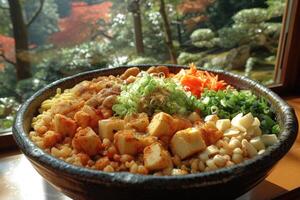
(152, 94)
(228, 103)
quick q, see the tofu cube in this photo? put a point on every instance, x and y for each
(87, 141)
(156, 157)
(126, 142)
(161, 125)
(64, 125)
(187, 142)
(180, 123)
(108, 127)
(210, 133)
(82, 119)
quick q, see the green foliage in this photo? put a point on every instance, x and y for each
(45, 23)
(142, 60)
(207, 44)
(251, 16)
(186, 58)
(202, 34)
(57, 64)
(5, 27)
(153, 36)
(8, 81)
(8, 108)
(83, 57)
(276, 7)
(27, 87)
(221, 11)
(204, 38)
(230, 37)
(250, 27)
(272, 28)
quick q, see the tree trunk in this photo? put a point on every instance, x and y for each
(21, 40)
(134, 8)
(168, 33)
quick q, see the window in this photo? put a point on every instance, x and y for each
(42, 41)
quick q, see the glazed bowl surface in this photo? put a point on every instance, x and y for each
(82, 183)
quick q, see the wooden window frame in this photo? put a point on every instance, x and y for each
(287, 69)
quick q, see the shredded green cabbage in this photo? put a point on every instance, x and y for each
(151, 94)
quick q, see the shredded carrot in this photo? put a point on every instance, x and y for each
(196, 81)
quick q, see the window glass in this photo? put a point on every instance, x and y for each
(44, 40)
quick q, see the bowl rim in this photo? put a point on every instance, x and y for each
(126, 179)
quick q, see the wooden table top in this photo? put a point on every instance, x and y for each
(286, 173)
(18, 179)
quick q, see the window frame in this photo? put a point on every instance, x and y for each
(287, 70)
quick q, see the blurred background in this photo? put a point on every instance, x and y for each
(44, 40)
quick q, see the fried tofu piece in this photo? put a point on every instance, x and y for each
(50, 138)
(156, 157)
(180, 123)
(108, 127)
(146, 140)
(82, 119)
(93, 115)
(161, 125)
(139, 122)
(187, 142)
(126, 142)
(87, 141)
(64, 125)
(210, 133)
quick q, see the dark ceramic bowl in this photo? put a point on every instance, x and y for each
(83, 183)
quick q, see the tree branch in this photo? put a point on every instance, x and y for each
(102, 33)
(105, 35)
(36, 14)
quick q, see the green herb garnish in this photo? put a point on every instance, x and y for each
(230, 102)
(151, 94)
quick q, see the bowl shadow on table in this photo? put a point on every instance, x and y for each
(265, 190)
